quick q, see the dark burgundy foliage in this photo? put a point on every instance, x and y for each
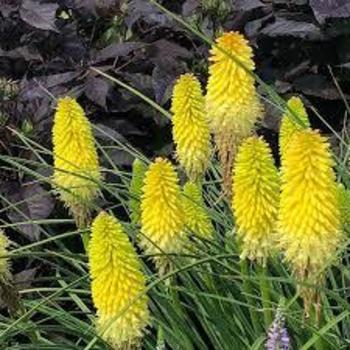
(29, 202)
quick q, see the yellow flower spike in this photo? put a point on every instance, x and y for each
(344, 205)
(190, 127)
(162, 214)
(197, 218)
(232, 103)
(255, 199)
(309, 217)
(289, 126)
(139, 169)
(76, 167)
(118, 285)
(4, 261)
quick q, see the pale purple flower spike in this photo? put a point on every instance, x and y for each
(278, 338)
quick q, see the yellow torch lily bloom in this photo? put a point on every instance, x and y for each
(118, 285)
(233, 105)
(309, 217)
(76, 167)
(255, 200)
(190, 127)
(162, 214)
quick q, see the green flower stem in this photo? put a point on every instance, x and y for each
(248, 291)
(85, 238)
(265, 294)
(160, 339)
(160, 332)
(316, 320)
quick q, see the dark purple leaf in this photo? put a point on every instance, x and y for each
(288, 2)
(9, 291)
(141, 82)
(31, 202)
(164, 54)
(247, 5)
(145, 10)
(317, 85)
(117, 49)
(25, 52)
(298, 70)
(30, 90)
(39, 15)
(125, 126)
(25, 278)
(41, 112)
(107, 134)
(86, 7)
(252, 29)
(284, 27)
(35, 88)
(283, 87)
(121, 158)
(96, 89)
(162, 82)
(190, 6)
(73, 47)
(8, 6)
(272, 117)
(50, 81)
(34, 93)
(108, 8)
(165, 47)
(324, 9)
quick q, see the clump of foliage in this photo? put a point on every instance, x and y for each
(220, 244)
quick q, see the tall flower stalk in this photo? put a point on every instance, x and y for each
(118, 285)
(232, 102)
(162, 214)
(190, 126)
(309, 217)
(255, 206)
(162, 221)
(255, 199)
(76, 166)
